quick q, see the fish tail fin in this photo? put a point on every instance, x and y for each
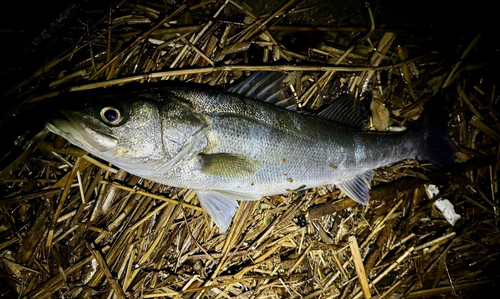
(438, 147)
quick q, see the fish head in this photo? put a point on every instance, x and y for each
(132, 134)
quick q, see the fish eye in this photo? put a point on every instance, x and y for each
(111, 115)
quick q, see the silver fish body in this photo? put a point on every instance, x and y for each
(228, 147)
(295, 151)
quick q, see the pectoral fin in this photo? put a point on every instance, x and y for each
(229, 165)
(222, 205)
(358, 187)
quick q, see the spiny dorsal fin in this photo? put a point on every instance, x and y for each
(345, 110)
(266, 87)
(229, 165)
(358, 187)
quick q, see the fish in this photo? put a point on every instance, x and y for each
(245, 143)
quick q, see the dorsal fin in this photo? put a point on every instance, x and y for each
(266, 87)
(345, 110)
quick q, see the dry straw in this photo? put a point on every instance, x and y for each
(74, 226)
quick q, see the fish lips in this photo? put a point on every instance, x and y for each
(76, 131)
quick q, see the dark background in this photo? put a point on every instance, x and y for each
(22, 23)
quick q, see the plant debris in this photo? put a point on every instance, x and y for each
(73, 226)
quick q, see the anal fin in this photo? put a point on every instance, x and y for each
(222, 205)
(358, 187)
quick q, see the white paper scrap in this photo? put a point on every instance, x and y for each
(446, 207)
(432, 190)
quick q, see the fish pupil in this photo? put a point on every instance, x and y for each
(111, 115)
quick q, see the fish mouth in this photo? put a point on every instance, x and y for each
(77, 132)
